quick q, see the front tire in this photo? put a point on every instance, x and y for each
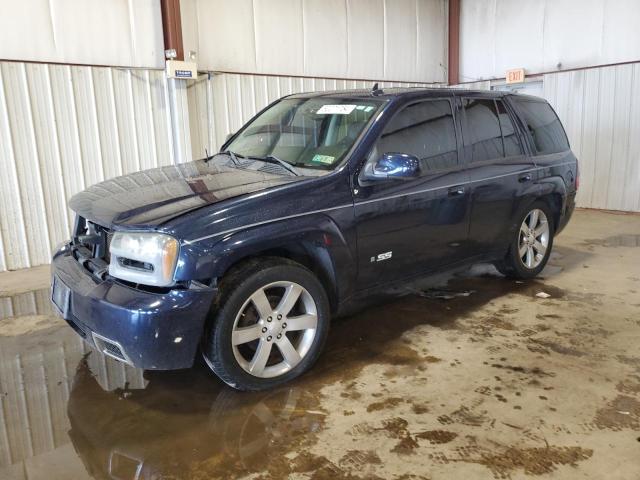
(269, 326)
(531, 244)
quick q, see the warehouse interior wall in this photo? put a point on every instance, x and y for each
(125, 33)
(64, 127)
(545, 35)
(394, 40)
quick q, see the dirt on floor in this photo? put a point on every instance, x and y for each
(484, 377)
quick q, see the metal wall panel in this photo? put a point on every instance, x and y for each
(220, 103)
(545, 36)
(125, 33)
(63, 128)
(388, 39)
(600, 111)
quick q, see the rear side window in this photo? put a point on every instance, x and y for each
(543, 125)
(482, 135)
(510, 137)
(425, 130)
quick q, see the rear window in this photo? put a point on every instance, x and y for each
(543, 125)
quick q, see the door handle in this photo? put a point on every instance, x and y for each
(456, 191)
(525, 178)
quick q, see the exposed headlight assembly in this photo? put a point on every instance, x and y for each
(146, 258)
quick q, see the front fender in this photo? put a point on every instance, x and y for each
(316, 238)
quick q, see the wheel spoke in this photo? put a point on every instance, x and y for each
(302, 322)
(259, 360)
(530, 257)
(523, 249)
(245, 334)
(539, 248)
(289, 352)
(533, 219)
(541, 230)
(289, 299)
(261, 302)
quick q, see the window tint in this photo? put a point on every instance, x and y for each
(509, 135)
(545, 129)
(482, 135)
(426, 130)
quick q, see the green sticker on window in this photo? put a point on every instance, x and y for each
(325, 159)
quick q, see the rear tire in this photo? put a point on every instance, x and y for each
(269, 326)
(531, 244)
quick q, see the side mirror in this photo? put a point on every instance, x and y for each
(400, 166)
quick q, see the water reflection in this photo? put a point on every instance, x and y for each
(185, 425)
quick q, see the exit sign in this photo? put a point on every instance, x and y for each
(515, 76)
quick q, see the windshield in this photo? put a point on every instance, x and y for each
(306, 132)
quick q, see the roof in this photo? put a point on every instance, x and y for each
(389, 93)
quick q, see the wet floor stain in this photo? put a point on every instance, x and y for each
(626, 240)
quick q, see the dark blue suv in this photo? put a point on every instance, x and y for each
(320, 199)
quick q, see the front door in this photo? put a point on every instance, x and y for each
(409, 226)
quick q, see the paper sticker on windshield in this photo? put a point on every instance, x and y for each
(326, 159)
(336, 109)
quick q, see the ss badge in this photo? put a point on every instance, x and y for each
(381, 257)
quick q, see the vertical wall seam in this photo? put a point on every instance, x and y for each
(154, 148)
(132, 112)
(34, 146)
(114, 119)
(76, 125)
(14, 171)
(613, 137)
(97, 124)
(58, 151)
(169, 119)
(384, 38)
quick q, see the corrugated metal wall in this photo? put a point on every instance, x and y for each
(600, 109)
(220, 103)
(63, 128)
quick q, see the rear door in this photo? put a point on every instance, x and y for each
(501, 173)
(409, 226)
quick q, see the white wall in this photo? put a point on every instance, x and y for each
(95, 32)
(496, 35)
(600, 110)
(401, 40)
(62, 129)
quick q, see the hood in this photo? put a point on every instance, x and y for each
(152, 197)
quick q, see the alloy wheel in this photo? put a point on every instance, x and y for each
(533, 239)
(281, 314)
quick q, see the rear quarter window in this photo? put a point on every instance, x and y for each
(543, 126)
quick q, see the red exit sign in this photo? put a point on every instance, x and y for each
(515, 76)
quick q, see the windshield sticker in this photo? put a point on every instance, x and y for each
(336, 109)
(325, 159)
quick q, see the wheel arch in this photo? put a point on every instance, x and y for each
(314, 242)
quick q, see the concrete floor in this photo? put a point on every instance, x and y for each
(498, 384)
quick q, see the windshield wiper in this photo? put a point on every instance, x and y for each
(234, 156)
(278, 161)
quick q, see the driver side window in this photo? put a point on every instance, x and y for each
(425, 130)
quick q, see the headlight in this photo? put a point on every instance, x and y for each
(146, 258)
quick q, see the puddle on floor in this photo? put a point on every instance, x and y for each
(125, 423)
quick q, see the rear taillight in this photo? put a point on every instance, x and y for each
(577, 175)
